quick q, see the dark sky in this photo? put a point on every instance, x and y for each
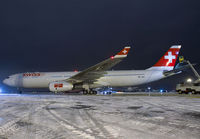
(62, 35)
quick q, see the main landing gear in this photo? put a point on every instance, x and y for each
(89, 92)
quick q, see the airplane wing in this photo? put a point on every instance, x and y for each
(93, 73)
(177, 70)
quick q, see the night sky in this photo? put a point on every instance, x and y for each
(63, 35)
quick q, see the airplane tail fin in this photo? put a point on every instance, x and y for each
(168, 60)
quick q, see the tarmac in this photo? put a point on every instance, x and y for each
(91, 117)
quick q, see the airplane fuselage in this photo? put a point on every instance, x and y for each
(112, 78)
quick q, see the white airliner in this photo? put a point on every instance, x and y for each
(98, 75)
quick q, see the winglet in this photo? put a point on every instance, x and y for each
(123, 53)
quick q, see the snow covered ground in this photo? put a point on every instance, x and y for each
(76, 116)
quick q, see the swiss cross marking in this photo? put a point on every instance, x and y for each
(125, 51)
(170, 57)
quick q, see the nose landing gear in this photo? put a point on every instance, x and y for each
(19, 90)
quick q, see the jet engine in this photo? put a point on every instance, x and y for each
(60, 86)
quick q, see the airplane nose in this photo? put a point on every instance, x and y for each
(9, 82)
(5, 81)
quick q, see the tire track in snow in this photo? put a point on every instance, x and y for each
(75, 129)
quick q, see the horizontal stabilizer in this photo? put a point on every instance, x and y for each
(177, 70)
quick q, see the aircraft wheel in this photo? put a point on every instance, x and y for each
(180, 92)
(193, 92)
(85, 92)
(94, 92)
(91, 92)
(19, 90)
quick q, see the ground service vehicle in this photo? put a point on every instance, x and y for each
(186, 88)
(191, 87)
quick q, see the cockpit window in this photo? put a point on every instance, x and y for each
(7, 77)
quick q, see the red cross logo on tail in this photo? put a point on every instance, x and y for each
(125, 52)
(170, 57)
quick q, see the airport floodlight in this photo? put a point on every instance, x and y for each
(189, 80)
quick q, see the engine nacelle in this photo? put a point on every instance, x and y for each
(60, 86)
